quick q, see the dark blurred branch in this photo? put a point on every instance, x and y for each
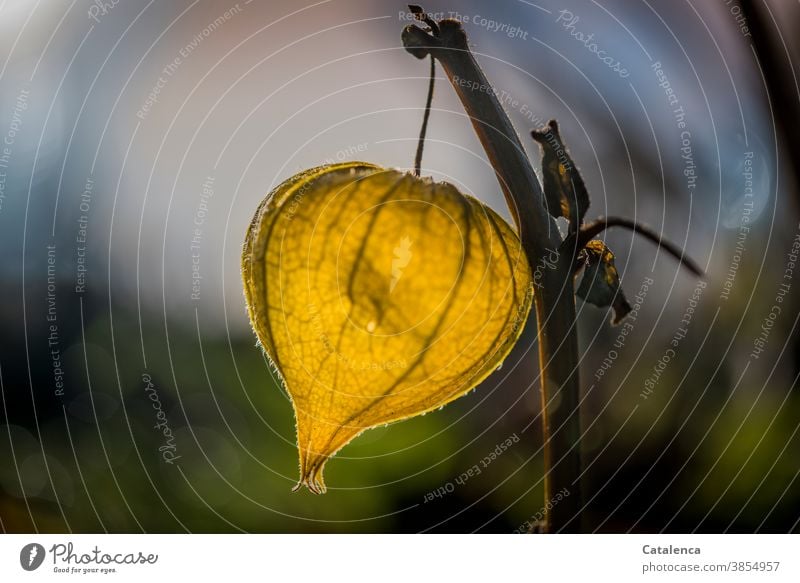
(780, 77)
(781, 81)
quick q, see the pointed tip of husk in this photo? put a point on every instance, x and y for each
(311, 468)
(314, 486)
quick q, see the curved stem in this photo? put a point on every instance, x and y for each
(425, 117)
(590, 231)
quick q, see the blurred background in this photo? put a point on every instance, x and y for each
(138, 137)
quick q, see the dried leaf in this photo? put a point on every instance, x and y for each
(378, 296)
(600, 284)
(564, 190)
